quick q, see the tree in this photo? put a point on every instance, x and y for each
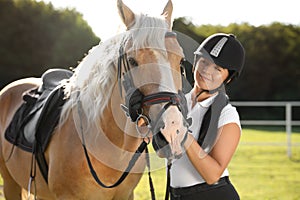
(34, 37)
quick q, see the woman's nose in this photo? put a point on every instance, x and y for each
(205, 69)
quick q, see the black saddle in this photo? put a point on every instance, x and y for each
(39, 113)
(35, 120)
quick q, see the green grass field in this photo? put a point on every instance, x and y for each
(260, 169)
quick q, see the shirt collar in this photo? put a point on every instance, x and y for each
(205, 103)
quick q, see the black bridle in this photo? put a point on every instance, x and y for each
(135, 100)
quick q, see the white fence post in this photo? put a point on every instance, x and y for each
(288, 128)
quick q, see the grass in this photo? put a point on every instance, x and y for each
(260, 169)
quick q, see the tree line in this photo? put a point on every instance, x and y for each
(34, 37)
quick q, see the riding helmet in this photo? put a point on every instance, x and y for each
(224, 50)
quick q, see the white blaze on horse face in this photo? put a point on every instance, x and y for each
(175, 55)
(174, 130)
(167, 80)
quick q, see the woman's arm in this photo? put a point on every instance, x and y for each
(212, 166)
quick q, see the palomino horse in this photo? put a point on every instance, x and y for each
(139, 70)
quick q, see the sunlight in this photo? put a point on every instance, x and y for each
(105, 22)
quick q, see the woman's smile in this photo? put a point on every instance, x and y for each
(205, 77)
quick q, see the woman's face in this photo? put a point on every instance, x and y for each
(208, 75)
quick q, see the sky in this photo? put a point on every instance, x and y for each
(103, 17)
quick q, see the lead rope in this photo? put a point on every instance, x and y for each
(149, 175)
(168, 179)
(131, 163)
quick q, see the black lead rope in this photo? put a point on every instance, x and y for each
(131, 163)
(137, 154)
(149, 175)
(168, 180)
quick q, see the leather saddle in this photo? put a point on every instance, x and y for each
(38, 115)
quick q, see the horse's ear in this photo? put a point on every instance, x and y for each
(168, 12)
(126, 14)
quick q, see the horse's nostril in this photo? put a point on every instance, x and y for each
(160, 125)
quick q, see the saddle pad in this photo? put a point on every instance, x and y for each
(47, 108)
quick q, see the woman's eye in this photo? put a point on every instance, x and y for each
(218, 68)
(203, 61)
(206, 63)
(132, 62)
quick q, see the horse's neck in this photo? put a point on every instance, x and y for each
(119, 129)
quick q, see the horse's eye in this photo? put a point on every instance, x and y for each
(132, 62)
(182, 67)
(182, 61)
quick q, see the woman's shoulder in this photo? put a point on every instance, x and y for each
(228, 115)
(230, 108)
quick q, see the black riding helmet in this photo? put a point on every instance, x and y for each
(225, 51)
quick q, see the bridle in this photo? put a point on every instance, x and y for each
(135, 100)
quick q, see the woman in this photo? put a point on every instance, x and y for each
(201, 173)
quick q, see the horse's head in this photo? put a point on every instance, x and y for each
(150, 79)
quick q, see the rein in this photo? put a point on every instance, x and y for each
(143, 147)
(131, 163)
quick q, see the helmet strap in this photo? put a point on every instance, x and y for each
(221, 88)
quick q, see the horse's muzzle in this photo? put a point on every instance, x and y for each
(170, 134)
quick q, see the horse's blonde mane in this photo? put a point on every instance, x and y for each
(95, 77)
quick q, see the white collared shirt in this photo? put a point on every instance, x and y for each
(183, 173)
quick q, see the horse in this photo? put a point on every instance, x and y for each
(121, 94)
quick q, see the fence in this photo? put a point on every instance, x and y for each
(288, 122)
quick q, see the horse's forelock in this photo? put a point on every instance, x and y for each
(148, 32)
